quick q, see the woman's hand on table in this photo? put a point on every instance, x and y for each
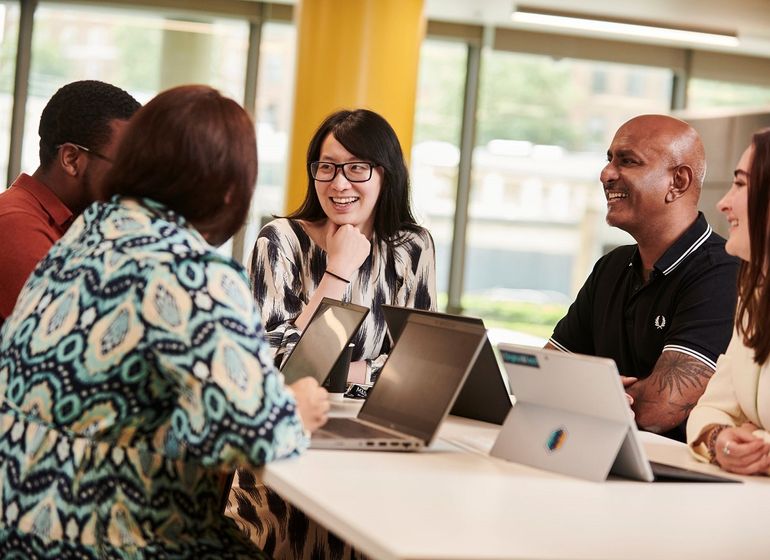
(312, 403)
(739, 451)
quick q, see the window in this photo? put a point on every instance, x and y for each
(635, 84)
(435, 149)
(598, 81)
(142, 52)
(702, 94)
(537, 210)
(275, 85)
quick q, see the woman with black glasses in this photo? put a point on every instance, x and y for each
(354, 239)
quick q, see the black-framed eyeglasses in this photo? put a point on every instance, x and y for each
(89, 151)
(354, 171)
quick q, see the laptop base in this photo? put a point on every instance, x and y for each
(352, 433)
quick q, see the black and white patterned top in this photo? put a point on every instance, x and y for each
(287, 266)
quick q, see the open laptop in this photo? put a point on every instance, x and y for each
(328, 333)
(571, 416)
(484, 395)
(415, 389)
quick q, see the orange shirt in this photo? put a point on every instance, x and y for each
(32, 219)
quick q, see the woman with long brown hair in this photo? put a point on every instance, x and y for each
(728, 425)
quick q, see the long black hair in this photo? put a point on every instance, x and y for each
(368, 136)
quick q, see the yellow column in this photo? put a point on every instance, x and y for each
(353, 54)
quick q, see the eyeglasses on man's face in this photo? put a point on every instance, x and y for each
(354, 171)
(89, 151)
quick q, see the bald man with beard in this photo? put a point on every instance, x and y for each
(662, 308)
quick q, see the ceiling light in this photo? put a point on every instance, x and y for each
(570, 21)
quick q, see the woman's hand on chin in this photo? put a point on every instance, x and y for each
(346, 248)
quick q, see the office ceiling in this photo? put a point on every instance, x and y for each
(750, 19)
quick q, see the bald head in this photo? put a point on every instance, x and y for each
(653, 178)
(673, 140)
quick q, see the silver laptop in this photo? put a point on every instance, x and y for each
(484, 395)
(328, 333)
(415, 390)
(571, 416)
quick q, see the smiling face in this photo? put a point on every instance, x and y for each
(637, 177)
(344, 202)
(734, 205)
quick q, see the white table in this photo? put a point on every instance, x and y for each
(453, 501)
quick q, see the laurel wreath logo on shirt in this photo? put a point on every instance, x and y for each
(660, 322)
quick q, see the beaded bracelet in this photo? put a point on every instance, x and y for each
(337, 276)
(711, 442)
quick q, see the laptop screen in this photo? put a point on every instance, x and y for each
(423, 375)
(395, 318)
(485, 394)
(323, 340)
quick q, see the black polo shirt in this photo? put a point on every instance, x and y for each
(687, 305)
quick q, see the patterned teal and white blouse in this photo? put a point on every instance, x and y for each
(133, 373)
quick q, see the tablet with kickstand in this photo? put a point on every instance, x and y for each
(571, 416)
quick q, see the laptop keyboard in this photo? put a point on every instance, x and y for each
(347, 428)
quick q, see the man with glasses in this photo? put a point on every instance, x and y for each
(79, 130)
(662, 308)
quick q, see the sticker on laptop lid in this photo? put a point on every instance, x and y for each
(556, 439)
(519, 358)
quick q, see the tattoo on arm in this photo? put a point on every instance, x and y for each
(679, 373)
(665, 398)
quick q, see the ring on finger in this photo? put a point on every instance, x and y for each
(726, 448)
